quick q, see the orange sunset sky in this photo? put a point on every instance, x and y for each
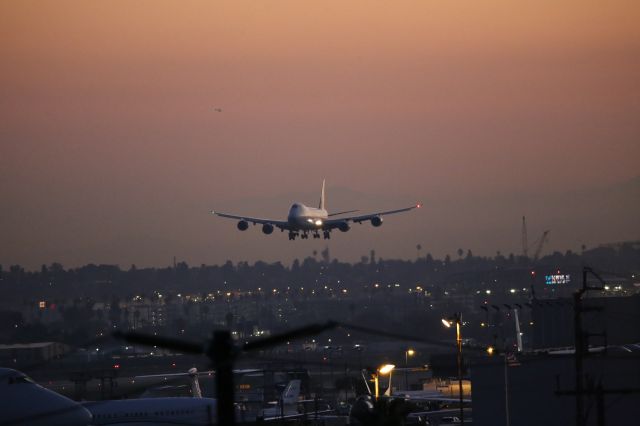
(112, 151)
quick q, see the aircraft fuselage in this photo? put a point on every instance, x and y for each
(306, 218)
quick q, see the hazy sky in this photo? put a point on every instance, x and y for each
(111, 150)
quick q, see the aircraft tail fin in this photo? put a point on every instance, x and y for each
(321, 205)
(195, 384)
(291, 392)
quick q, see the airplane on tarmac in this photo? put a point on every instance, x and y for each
(287, 405)
(23, 402)
(303, 220)
(290, 407)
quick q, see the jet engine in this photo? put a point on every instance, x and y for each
(376, 221)
(344, 226)
(267, 228)
(243, 225)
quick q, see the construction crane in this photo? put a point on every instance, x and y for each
(538, 244)
(543, 239)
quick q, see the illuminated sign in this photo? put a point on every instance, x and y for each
(557, 279)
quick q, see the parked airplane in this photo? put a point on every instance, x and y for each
(288, 403)
(153, 411)
(195, 410)
(290, 407)
(303, 220)
(23, 402)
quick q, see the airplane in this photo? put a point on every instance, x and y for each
(287, 405)
(194, 410)
(153, 411)
(290, 407)
(23, 402)
(303, 220)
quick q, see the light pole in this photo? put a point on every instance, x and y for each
(385, 369)
(409, 352)
(457, 319)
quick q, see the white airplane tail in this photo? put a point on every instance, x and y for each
(291, 392)
(321, 205)
(195, 384)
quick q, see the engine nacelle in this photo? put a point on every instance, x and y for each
(344, 226)
(267, 228)
(376, 221)
(243, 225)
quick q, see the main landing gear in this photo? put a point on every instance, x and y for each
(305, 235)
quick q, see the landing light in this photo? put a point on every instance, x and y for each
(318, 222)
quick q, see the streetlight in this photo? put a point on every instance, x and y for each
(385, 369)
(409, 352)
(456, 319)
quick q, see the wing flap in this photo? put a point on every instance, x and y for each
(334, 223)
(281, 224)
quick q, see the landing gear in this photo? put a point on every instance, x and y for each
(304, 235)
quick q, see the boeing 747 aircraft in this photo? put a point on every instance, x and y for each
(23, 402)
(303, 220)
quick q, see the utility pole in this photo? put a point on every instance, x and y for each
(506, 390)
(458, 319)
(581, 352)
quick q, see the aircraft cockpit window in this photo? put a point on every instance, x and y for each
(20, 379)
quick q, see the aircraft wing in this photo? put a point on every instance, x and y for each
(427, 398)
(334, 223)
(308, 414)
(281, 224)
